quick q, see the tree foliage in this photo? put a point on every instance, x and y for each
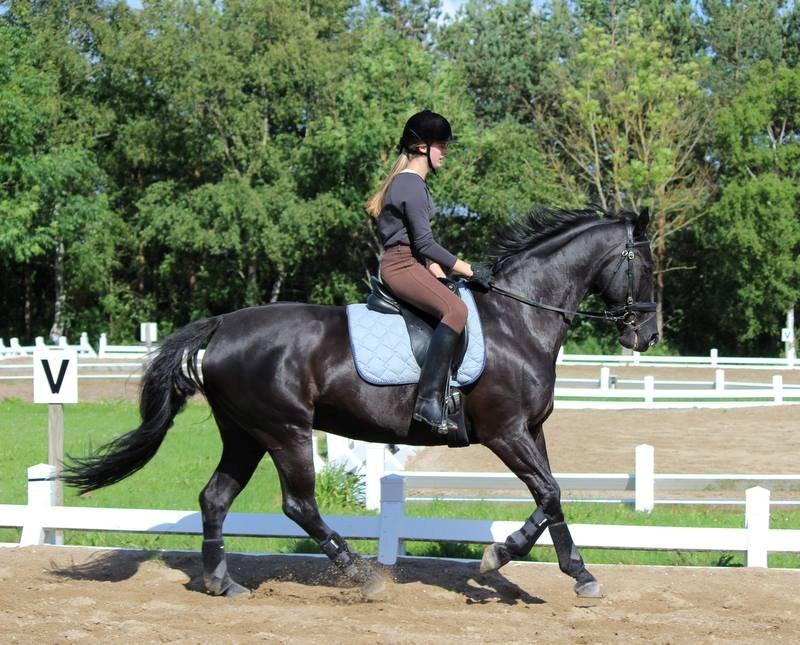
(195, 156)
(748, 248)
(628, 126)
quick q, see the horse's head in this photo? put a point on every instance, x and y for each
(625, 283)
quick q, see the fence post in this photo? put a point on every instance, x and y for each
(338, 449)
(102, 345)
(84, 348)
(791, 353)
(714, 357)
(560, 357)
(375, 470)
(757, 525)
(636, 356)
(16, 347)
(649, 389)
(777, 388)
(319, 462)
(605, 378)
(645, 478)
(393, 497)
(719, 380)
(41, 496)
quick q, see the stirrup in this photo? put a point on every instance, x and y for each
(442, 427)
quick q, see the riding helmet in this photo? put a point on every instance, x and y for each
(426, 128)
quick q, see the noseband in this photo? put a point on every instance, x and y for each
(627, 313)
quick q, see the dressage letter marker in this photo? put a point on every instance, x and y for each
(55, 376)
(55, 382)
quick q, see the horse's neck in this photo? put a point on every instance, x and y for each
(561, 278)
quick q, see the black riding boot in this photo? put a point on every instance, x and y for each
(433, 379)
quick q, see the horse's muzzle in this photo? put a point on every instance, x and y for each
(631, 339)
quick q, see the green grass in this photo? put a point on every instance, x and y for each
(189, 454)
(172, 480)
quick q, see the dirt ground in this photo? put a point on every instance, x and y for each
(763, 440)
(60, 595)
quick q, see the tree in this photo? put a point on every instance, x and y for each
(218, 100)
(411, 18)
(748, 248)
(672, 22)
(739, 34)
(791, 36)
(628, 127)
(503, 49)
(55, 211)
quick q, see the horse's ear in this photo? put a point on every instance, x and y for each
(641, 222)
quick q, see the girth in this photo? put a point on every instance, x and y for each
(420, 324)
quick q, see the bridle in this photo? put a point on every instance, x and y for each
(627, 313)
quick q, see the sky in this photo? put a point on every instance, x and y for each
(451, 6)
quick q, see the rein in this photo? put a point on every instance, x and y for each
(626, 313)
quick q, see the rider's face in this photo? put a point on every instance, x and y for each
(438, 153)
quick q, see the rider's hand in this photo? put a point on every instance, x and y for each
(481, 277)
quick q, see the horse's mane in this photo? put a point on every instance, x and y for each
(541, 224)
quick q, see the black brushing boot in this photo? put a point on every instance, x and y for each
(433, 380)
(216, 578)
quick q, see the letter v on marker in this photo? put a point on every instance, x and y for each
(55, 387)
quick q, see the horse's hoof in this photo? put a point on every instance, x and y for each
(235, 590)
(374, 588)
(591, 589)
(225, 586)
(494, 556)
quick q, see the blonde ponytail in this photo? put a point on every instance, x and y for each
(375, 203)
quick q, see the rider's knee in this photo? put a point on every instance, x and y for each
(456, 318)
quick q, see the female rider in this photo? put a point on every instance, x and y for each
(412, 260)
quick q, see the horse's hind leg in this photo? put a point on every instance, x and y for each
(240, 457)
(295, 465)
(525, 455)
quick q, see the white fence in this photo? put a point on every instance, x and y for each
(130, 370)
(15, 350)
(83, 348)
(611, 393)
(634, 359)
(641, 485)
(637, 359)
(604, 392)
(39, 520)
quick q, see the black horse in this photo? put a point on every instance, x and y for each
(273, 373)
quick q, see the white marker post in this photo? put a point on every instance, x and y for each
(148, 334)
(55, 382)
(787, 337)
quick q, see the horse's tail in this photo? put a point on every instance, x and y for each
(165, 389)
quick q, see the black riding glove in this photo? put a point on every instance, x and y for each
(481, 277)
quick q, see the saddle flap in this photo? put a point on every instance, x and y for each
(420, 324)
(382, 351)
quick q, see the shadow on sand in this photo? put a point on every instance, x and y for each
(256, 571)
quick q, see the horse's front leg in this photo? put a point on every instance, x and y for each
(518, 449)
